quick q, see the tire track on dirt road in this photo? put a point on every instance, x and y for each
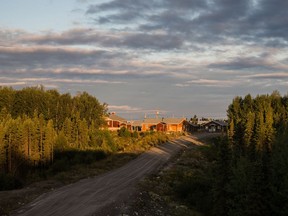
(94, 196)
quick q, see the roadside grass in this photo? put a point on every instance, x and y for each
(182, 187)
(79, 165)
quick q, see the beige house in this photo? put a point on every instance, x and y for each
(175, 124)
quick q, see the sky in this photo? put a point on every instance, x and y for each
(180, 58)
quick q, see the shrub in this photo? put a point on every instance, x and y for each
(135, 134)
(9, 182)
(123, 132)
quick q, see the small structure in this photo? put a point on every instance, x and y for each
(191, 127)
(153, 124)
(175, 124)
(136, 125)
(216, 126)
(115, 122)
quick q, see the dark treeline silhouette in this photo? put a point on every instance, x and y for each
(245, 173)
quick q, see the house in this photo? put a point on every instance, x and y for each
(215, 126)
(175, 124)
(191, 127)
(163, 124)
(136, 125)
(115, 122)
(153, 124)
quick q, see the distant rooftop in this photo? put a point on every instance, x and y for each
(115, 117)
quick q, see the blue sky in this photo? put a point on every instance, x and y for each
(181, 57)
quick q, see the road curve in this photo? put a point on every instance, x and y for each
(97, 195)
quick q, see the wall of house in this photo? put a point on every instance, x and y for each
(175, 127)
(113, 123)
(161, 127)
(147, 127)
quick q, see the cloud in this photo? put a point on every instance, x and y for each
(12, 83)
(82, 81)
(264, 62)
(9, 37)
(123, 108)
(127, 110)
(206, 21)
(212, 82)
(240, 63)
(273, 76)
(54, 82)
(35, 57)
(124, 5)
(131, 40)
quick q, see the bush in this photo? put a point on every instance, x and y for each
(60, 165)
(135, 134)
(65, 159)
(9, 182)
(197, 191)
(123, 132)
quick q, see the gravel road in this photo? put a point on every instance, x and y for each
(104, 194)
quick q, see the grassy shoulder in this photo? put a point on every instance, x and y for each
(73, 165)
(182, 187)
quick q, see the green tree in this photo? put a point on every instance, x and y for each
(83, 134)
(279, 181)
(7, 95)
(50, 136)
(3, 155)
(222, 173)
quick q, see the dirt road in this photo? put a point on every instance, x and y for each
(104, 194)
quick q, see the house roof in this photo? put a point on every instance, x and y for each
(137, 123)
(152, 121)
(221, 123)
(173, 120)
(192, 124)
(114, 117)
(163, 120)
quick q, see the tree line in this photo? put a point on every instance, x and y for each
(36, 123)
(245, 172)
(254, 160)
(52, 105)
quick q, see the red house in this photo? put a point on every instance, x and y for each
(115, 122)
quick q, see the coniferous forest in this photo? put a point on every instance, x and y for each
(36, 124)
(246, 172)
(254, 162)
